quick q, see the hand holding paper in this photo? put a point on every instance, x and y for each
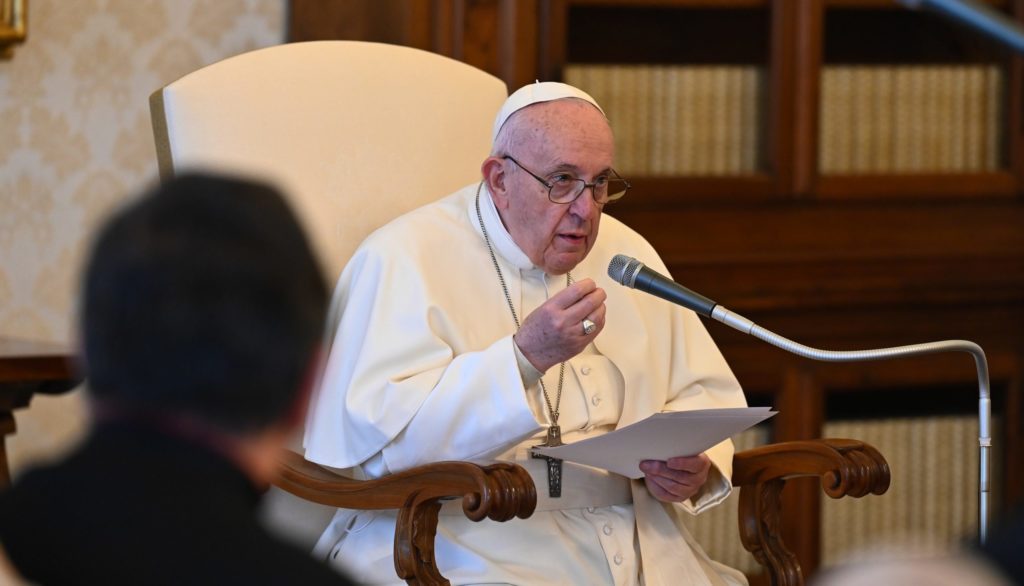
(659, 437)
(676, 479)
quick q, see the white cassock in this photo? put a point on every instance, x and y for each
(422, 369)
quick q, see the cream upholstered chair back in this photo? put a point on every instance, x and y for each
(355, 133)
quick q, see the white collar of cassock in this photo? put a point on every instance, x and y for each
(501, 240)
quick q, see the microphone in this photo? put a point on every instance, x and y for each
(628, 271)
(632, 273)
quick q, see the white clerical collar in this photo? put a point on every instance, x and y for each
(501, 240)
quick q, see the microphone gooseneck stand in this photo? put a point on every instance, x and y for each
(999, 27)
(746, 326)
(632, 273)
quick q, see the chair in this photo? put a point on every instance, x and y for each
(400, 127)
(501, 492)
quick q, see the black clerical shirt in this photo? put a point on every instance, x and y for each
(136, 506)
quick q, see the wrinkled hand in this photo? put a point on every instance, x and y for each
(553, 332)
(676, 479)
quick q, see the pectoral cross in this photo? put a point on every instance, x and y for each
(554, 464)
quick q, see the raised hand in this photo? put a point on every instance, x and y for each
(554, 332)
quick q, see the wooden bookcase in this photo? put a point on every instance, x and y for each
(833, 260)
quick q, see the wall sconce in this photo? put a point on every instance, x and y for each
(12, 25)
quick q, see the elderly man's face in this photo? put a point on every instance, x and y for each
(563, 136)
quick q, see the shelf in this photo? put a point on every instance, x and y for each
(869, 32)
(677, 32)
(657, 191)
(918, 186)
(716, 4)
(893, 4)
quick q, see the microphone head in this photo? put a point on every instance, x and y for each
(623, 269)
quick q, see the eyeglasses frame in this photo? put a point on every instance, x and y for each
(592, 186)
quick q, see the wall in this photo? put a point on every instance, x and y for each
(75, 140)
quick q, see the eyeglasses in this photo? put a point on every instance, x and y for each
(565, 188)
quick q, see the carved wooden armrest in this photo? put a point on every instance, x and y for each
(498, 492)
(846, 468)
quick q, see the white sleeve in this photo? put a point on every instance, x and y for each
(400, 381)
(458, 422)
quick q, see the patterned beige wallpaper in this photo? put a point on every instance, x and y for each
(75, 139)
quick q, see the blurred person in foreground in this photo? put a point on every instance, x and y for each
(483, 324)
(900, 565)
(201, 319)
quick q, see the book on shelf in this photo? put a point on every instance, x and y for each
(993, 114)
(752, 80)
(882, 116)
(910, 119)
(672, 120)
(863, 127)
(932, 499)
(659, 157)
(942, 104)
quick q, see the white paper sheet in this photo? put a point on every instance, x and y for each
(659, 437)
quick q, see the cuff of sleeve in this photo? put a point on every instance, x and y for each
(719, 484)
(527, 371)
(715, 490)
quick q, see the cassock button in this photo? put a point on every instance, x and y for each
(607, 529)
(595, 400)
(585, 370)
(618, 559)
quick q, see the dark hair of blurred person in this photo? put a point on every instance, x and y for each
(201, 316)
